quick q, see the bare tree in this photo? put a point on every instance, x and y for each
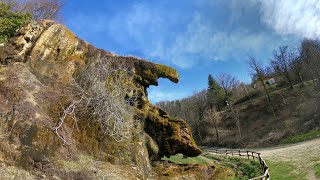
(281, 62)
(310, 54)
(259, 73)
(200, 100)
(212, 115)
(40, 9)
(296, 63)
(228, 83)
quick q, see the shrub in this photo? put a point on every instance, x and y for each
(103, 89)
(252, 95)
(10, 21)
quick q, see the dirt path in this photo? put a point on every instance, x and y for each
(297, 152)
(303, 155)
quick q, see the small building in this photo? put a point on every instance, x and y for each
(270, 81)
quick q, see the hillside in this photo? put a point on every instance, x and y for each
(296, 113)
(295, 117)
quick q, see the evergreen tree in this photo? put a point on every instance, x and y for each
(214, 94)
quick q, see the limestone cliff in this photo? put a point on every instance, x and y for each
(34, 78)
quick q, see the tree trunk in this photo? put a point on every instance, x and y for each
(199, 132)
(245, 88)
(217, 132)
(236, 119)
(312, 74)
(301, 80)
(290, 83)
(269, 98)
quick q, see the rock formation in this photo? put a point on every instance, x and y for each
(34, 78)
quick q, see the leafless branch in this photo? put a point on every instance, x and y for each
(102, 89)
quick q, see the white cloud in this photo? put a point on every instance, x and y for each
(142, 24)
(155, 95)
(201, 41)
(236, 7)
(152, 31)
(286, 17)
(161, 36)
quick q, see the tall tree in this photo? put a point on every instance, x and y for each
(213, 116)
(228, 83)
(296, 63)
(200, 99)
(258, 72)
(310, 54)
(214, 93)
(280, 63)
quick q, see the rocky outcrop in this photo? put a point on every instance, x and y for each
(34, 78)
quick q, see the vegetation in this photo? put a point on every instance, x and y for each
(102, 89)
(181, 159)
(215, 95)
(301, 137)
(274, 96)
(39, 9)
(15, 13)
(283, 171)
(244, 168)
(10, 21)
(317, 170)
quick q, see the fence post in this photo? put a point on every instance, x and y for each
(261, 163)
(266, 174)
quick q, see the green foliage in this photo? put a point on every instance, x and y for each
(215, 94)
(317, 170)
(180, 159)
(10, 21)
(246, 169)
(301, 137)
(283, 171)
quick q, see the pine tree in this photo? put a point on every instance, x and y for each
(214, 93)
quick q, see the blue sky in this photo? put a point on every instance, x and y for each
(196, 37)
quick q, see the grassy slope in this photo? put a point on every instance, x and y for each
(243, 168)
(301, 137)
(317, 170)
(284, 171)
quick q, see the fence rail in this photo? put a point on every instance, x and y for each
(248, 154)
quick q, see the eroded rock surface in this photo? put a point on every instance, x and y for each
(34, 78)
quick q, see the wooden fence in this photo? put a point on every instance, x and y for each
(248, 154)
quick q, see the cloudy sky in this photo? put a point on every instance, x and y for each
(196, 37)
